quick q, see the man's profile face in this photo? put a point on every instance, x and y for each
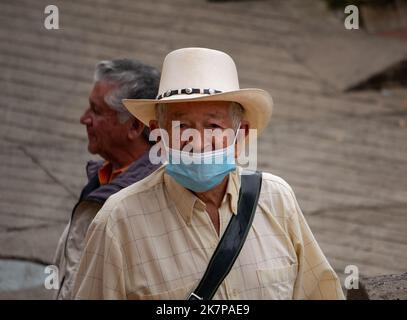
(105, 132)
(200, 116)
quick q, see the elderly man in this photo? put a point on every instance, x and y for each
(121, 140)
(156, 238)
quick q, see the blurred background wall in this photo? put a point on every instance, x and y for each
(344, 151)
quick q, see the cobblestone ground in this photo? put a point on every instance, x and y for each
(344, 154)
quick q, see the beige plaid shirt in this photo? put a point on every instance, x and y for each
(154, 239)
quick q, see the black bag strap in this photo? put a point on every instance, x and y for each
(232, 240)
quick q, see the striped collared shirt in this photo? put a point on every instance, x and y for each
(154, 239)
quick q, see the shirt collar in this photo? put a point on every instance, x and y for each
(232, 191)
(185, 200)
(107, 174)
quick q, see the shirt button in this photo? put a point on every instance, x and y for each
(235, 293)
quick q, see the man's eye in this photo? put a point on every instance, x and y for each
(215, 126)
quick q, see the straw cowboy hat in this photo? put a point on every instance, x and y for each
(200, 74)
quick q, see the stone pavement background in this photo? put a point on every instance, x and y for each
(344, 154)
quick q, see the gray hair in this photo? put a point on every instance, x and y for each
(236, 112)
(134, 80)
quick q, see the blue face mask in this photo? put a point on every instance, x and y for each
(200, 172)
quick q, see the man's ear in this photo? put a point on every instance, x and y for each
(245, 125)
(135, 129)
(153, 124)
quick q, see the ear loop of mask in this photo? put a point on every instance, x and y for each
(166, 148)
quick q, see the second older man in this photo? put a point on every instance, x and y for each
(121, 140)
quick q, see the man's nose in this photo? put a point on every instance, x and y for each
(86, 119)
(202, 142)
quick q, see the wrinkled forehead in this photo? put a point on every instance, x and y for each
(198, 110)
